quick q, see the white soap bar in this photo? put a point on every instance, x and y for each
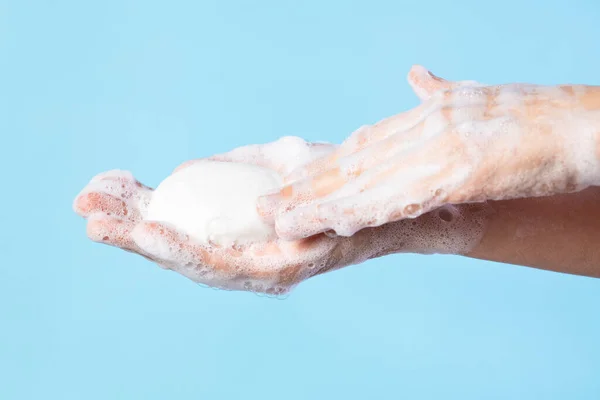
(215, 201)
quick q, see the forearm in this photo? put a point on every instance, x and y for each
(559, 233)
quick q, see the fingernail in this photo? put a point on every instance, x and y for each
(432, 75)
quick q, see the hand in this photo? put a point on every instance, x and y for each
(114, 204)
(466, 142)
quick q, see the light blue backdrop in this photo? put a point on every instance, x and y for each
(87, 86)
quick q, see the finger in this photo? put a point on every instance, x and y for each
(366, 136)
(113, 193)
(319, 152)
(167, 243)
(322, 163)
(342, 171)
(430, 118)
(344, 216)
(117, 232)
(368, 201)
(111, 231)
(91, 203)
(294, 261)
(424, 83)
(414, 149)
(308, 221)
(225, 268)
(177, 251)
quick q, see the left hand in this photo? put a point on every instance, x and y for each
(114, 204)
(467, 142)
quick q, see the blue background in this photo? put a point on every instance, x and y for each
(87, 86)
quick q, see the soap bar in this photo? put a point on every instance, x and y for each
(215, 202)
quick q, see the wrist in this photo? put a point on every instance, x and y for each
(446, 230)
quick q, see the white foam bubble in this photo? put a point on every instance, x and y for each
(215, 202)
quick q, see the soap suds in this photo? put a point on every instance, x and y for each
(225, 188)
(215, 202)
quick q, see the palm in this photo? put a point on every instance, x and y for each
(114, 203)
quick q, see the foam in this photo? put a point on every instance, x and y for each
(215, 202)
(251, 257)
(472, 144)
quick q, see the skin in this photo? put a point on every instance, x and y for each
(467, 142)
(558, 233)
(113, 203)
(556, 229)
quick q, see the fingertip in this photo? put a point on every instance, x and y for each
(95, 227)
(420, 73)
(415, 80)
(266, 208)
(424, 83)
(415, 71)
(90, 203)
(417, 75)
(86, 203)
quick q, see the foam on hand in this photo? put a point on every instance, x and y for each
(215, 202)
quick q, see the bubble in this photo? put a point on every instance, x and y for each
(237, 247)
(412, 209)
(445, 215)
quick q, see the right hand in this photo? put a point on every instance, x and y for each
(466, 143)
